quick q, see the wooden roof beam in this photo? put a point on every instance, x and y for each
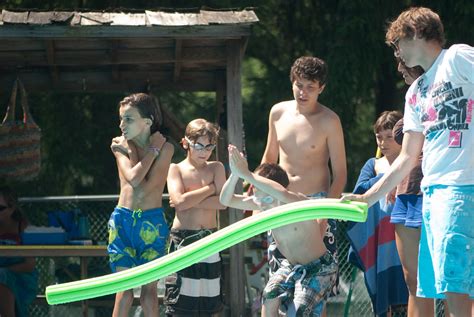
(50, 57)
(100, 82)
(113, 55)
(178, 52)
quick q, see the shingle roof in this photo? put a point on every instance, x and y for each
(147, 18)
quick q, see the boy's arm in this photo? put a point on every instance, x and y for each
(403, 164)
(134, 174)
(239, 166)
(271, 150)
(212, 202)
(229, 198)
(160, 167)
(337, 156)
(181, 200)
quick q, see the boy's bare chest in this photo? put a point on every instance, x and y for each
(197, 178)
(302, 133)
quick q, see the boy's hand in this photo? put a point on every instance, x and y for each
(354, 197)
(157, 140)
(119, 144)
(238, 163)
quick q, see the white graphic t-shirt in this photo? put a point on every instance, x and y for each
(439, 104)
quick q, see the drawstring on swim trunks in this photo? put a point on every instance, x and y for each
(297, 268)
(135, 215)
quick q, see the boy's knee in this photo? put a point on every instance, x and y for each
(125, 297)
(270, 307)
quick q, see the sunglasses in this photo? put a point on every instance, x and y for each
(199, 146)
(395, 47)
(2, 208)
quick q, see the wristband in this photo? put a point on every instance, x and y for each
(156, 151)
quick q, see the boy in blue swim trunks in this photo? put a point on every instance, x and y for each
(438, 119)
(306, 276)
(137, 227)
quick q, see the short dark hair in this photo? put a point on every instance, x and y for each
(387, 120)
(274, 172)
(146, 106)
(310, 68)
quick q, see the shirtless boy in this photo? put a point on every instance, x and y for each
(194, 186)
(305, 278)
(304, 137)
(137, 227)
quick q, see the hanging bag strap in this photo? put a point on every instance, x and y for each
(27, 117)
(10, 115)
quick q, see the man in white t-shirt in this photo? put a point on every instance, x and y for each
(438, 120)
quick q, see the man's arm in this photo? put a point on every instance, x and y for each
(337, 156)
(271, 150)
(403, 164)
(181, 200)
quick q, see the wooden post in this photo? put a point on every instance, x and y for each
(235, 130)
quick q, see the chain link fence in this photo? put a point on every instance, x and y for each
(98, 209)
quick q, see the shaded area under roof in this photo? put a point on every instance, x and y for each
(97, 51)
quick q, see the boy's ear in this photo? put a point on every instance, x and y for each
(321, 88)
(148, 121)
(184, 144)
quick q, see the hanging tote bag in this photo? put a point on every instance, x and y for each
(20, 154)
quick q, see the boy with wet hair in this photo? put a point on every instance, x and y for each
(437, 120)
(306, 276)
(194, 186)
(137, 227)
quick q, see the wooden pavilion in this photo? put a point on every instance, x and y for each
(123, 51)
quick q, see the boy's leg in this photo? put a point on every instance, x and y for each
(408, 240)
(459, 304)
(123, 301)
(149, 299)
(451, 236)
(270, 307)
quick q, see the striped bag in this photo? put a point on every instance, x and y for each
(20, 155)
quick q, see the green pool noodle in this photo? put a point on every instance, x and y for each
(205, 247)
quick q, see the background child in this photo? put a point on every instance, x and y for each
(137, 227)
(194, 186)
(305, 278)
(18, 277)
(373, 246)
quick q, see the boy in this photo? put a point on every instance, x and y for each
(304, 136)
(137, 227)
(438, 119)
(305, 278)
(194, 186)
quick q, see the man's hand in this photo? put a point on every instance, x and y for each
(237, 161)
